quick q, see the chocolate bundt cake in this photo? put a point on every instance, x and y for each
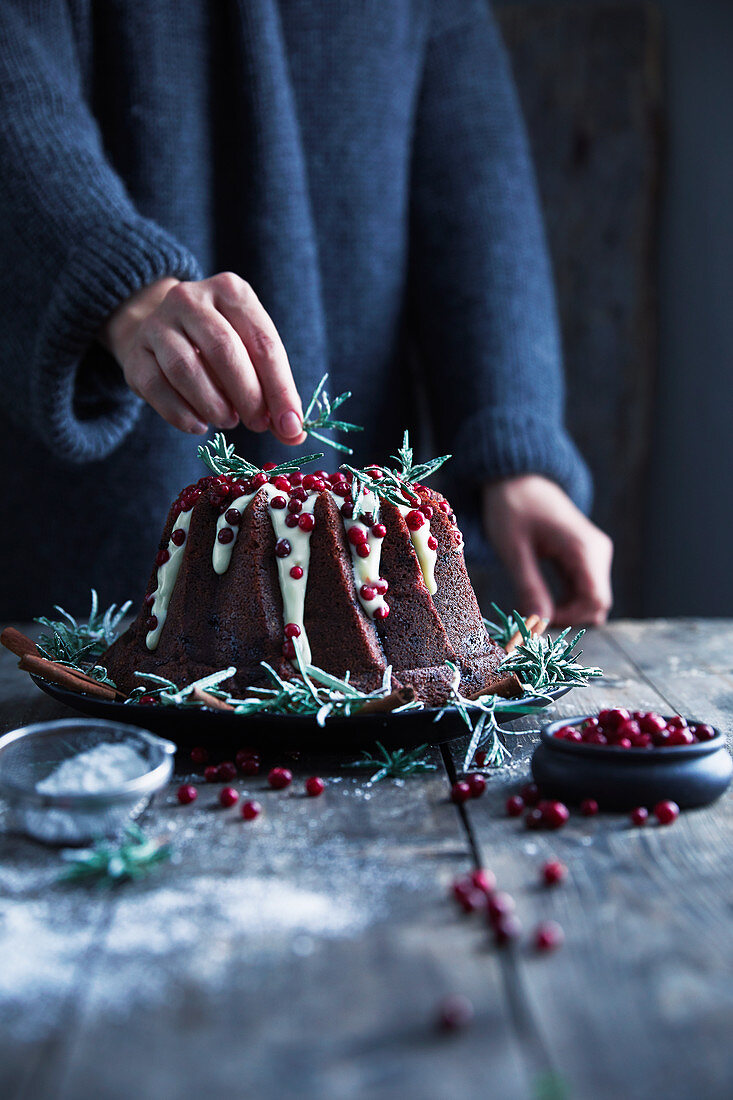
(249, 567)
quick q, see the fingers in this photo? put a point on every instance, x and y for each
(239, 304)
(186, 373)
(533, 595)
(586, 564)
(145, 378)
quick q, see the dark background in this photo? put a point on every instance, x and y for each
(630, 112)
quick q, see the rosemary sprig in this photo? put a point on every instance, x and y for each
(392, 485)
(397, 764)
(114, 863)
(70, 640)
(506, 627)
(541, 663)
(220, 457)
(412, 473)
(323, 421)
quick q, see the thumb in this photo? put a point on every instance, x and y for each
(533, 595)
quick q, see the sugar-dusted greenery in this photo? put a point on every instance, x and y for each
(114, 862)
(318, 417)
(221, 458)
(397, 764)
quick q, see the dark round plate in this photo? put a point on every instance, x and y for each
(189, 726)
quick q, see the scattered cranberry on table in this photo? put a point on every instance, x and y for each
(533, 818)
(477, 784)
(455, 1012)
(279, 778)
(226, 771)
(314, 786)
(251, 810)
(199, 755)
(666, 812)
(460, 791)
(530, 793)
(506, 930)
(554, 872)
(187, 793)
(514, 805)
(484, 880)
(639, 816)
(554, 814)
(228, 797)
(211, 774)
(480, 758)
(589, 807)
(248, 761)
(500, 905)
(548, 936)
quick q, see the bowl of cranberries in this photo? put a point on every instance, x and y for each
(625, 758)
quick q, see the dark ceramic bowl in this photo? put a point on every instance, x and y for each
(620, 779)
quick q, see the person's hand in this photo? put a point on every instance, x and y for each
(529, 519)
(206, 352)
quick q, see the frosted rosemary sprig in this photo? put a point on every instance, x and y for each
(506, 626)
(69, 640)
(323, 421)
(540, 663)
(220, 457)
(423, 470)
(169, 694)
(397, 764)
(113, 863)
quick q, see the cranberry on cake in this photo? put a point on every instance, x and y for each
(358, 569)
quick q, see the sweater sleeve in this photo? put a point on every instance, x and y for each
(72, 244)
(481, 286)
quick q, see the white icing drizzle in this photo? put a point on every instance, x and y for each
(222, 552)
(366, 570)
(425, 556)
(293, 591)
(166, 577)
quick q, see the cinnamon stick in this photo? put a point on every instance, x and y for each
(18, 643)
(67, 678)
(508, 688)
(535, 624)
(389, 702)
(210, 700)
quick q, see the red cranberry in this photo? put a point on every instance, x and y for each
(227, 770)
(292, 630)
(432, 543)
(299, 494)
(477, 783)
(661, 737)
(641, 741)
(282, 483)
(639, 816)
(228, 796)
(382, 611)
(681, 737)
(278, 502)
(162, 557)
(288, 649)
(149, 599)
(296, 478)
(564, 732)
(652, 723)
(187, 793)
(500, 904)
(480, 758)
(676, 723)
(468, 896)
(291, 520)
(548, 936)
(623, 743)
(628, 728)
(362, 550)
(533, 819)
(379, 530)
(233, 516)
(151, 623)
(356, 535)
(589, 807)
(484, 880)
(514, 805)
(530, 792)
(269, 466)
(347, 509)
(554, 814)
(314, 786)
(666, 812)
(259, 480)
(251, 810)
(595, 737)
(414, 520)
(507, 930)
(590, 724)
(249, 765)
(225, 535)
(294, 506)
(309, 481)
(368, 592)
(211, 774)
(610, 719)
(280, 778)
(381, 586)
(554, 872)
(704, 732)
(460, 791)
(178, 537)
(576, 735)
(306, 522)
(282, 548)
(296, 572)
(455, 1013)
(199, 755)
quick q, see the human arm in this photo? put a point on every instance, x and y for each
(483, 311)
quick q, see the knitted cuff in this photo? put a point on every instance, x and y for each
(494, 444)
(81, 406)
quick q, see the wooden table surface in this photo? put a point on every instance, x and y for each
(306, 955)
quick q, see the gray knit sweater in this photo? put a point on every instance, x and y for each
(360, 162)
